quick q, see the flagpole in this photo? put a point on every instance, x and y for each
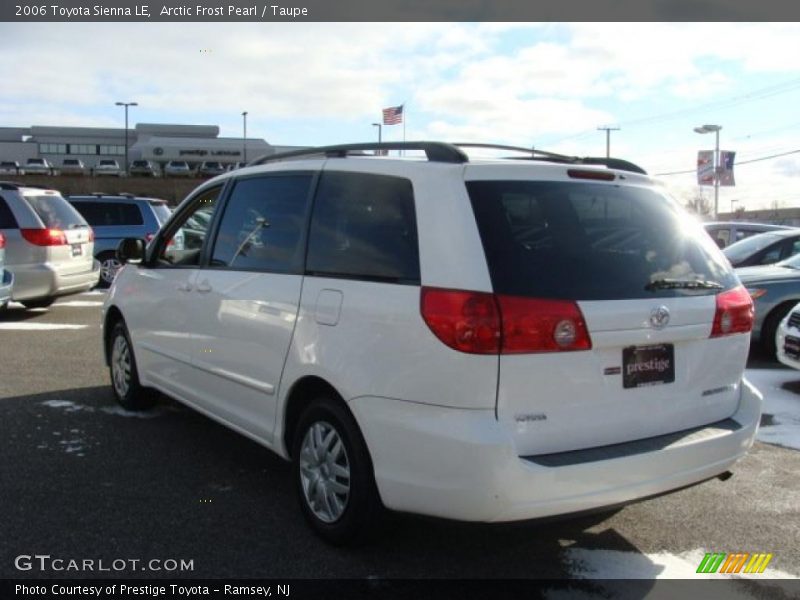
(403, 106)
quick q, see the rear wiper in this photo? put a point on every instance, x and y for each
(682, 284)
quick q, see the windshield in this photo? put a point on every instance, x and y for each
(585, 241)
(740, 250)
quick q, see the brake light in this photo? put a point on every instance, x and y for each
(465, 321)
(734, 313)
(44, 237)
(91, 234)
(483, 323)
(2, 241)
(587, 174)
(537, 325)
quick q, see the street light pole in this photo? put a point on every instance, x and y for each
(126, 105)
(244, 138)
(378, 125)
(713, 129)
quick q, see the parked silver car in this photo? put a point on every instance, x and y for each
(49, 247)
(107, 167)
(6, 278)
(177, 168)
(725, 233)
(72, 166)
(38, 166)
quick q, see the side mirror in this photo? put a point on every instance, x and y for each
(130, 251)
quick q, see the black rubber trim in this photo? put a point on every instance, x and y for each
(653, 444)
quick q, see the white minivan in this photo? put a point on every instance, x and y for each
(476, 339)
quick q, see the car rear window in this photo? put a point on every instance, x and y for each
(585, 241)
(55, 212)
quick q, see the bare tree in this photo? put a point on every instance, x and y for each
(699, 204)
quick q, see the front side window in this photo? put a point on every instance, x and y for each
(262, 227)
(364, 227)
(184, 239)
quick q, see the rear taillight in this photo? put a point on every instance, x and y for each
(536, 325)
(465, 321)
(2, 241)
(91, 234)
(44, 237)
(483, 323)
(734, 313)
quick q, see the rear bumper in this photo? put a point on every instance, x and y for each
(461, 464)
(43, 281)
(6, 283)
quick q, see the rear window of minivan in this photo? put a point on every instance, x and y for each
(586, 241)
(55, 212)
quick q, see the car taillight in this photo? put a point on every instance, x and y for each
(465, 321)
(734, 313)
(483, 323)
(44, 237)
(2, 241)
(91, 234)
(538, 325)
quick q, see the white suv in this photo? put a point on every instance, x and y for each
(485, 340)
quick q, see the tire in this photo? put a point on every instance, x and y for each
(770, 328)
(124, 378)
(334, 475)
(38, 303)
(109, 265)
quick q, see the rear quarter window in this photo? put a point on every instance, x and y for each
(564, 240)
(7, 219)
(105, 214)
(364, 227)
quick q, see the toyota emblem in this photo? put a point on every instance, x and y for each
(659, 317)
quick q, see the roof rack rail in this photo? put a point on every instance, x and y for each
(435, 151)
(10, 185)
(535, 154)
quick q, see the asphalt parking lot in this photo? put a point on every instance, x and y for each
(82, 479)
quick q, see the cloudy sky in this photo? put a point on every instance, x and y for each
(547, 85)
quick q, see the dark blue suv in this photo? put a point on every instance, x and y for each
(114, 217)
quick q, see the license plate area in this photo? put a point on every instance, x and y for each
(648, 365)
(77, 249)
(791, 347)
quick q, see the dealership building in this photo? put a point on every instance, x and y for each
(156, 142)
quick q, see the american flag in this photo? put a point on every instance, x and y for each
(393, 115)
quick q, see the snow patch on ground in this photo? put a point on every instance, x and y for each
(80, 303)
(67, 405)
(39, 326)
(782, 427)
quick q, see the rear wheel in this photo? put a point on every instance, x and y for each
(109, 265)
(333, 473)
(124, 378)
(38, 303)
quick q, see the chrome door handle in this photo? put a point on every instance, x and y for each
(185, 287)
(203, 288)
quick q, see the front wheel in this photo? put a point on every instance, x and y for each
(333, 473)
(124, 378)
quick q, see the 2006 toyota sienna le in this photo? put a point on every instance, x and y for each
(477, 339)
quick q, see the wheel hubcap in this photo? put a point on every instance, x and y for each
(121, 366)
(324, 472)
(109, 268)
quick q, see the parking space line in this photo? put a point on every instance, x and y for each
(39, 326)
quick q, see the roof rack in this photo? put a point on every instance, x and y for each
(446, 153)
(611, 163)
(15, 185)
(435, 151)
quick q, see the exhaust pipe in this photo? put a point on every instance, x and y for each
(725, 476)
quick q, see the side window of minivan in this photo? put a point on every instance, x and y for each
(263, 224)
(101, 214)
(364, 227)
